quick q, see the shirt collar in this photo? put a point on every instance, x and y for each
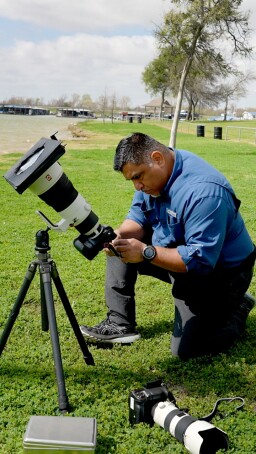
(176, 171)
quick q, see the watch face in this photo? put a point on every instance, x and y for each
(149, 252)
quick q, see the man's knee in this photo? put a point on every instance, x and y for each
(180, 351)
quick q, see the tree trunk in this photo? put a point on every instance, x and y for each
(226, 109)
(162, 103)
(175, 122)
(184, 74)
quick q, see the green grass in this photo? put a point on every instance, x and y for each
(27, 379)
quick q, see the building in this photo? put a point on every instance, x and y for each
(249, 116)
(13, 109)
(74, 113)
(152, 108)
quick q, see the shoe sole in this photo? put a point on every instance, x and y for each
(129, 339)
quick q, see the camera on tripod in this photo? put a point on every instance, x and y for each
(39, 171)
(155, 403)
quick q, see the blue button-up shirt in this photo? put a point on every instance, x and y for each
(196, 212)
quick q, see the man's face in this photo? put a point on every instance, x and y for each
(148, 177)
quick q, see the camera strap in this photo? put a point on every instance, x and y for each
(215, 410)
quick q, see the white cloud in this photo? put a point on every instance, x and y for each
(98, 45)
(77, 64)
(85, 15)
(81, 46)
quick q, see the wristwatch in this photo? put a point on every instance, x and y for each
(149, 253)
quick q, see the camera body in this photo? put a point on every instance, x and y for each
(91, 246)
(142, 401)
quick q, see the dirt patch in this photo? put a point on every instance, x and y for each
(77, 132)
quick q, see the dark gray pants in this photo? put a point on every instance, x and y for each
(205, 307)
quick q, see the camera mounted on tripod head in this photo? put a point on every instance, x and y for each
(39, 171)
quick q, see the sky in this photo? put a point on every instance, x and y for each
(55, 48)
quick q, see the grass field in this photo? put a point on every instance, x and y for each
(27, 378)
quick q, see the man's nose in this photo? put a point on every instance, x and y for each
(138, 185)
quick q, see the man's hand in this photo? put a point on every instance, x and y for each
(130, 250)
(129, 230)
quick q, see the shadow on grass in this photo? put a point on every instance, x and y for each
(230, 373)
(154, 329)
(227, 374)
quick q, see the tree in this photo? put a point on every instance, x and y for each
(75, 100)
(157, 76)
(192, 29)
(60, 102)
(200, 86)
(103, 104)
(112, 105)
(86, 102)
(124, 103)
(200, 91)
(233, 89)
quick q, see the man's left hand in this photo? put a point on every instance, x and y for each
(130, 250)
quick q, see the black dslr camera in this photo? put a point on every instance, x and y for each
(142, 401)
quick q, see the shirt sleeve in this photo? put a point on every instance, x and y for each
(205, 231)
(136, 213)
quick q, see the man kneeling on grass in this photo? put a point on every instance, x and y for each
(184, 227)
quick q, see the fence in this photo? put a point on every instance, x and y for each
(241, 134)
(235, 133)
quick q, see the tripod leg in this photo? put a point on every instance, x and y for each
(17, 305)
(44, 316)
(45, 270)
(71, 316)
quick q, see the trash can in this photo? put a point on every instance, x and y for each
(130, 119)
(217, 133)
(200, 131)
(139, 119)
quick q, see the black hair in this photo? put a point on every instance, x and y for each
(136, 148)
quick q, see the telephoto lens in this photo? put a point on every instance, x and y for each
(39, 171)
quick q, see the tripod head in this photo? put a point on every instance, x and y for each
(42, 241)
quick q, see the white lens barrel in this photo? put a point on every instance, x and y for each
(47, 180)
(161, 411)
(77, 212)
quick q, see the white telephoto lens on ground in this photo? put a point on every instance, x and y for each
(198, 436)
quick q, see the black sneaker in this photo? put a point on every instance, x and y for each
(110, 332)
(247, 304)
(240, 314)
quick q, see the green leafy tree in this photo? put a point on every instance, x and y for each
(191, 30)
(201, 85)
(157, 76)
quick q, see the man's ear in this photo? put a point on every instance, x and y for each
(158, 158)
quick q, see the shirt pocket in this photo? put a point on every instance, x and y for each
(169, 232)
(149, 214)
(175, 229)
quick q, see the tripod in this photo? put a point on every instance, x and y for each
(48, 270)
